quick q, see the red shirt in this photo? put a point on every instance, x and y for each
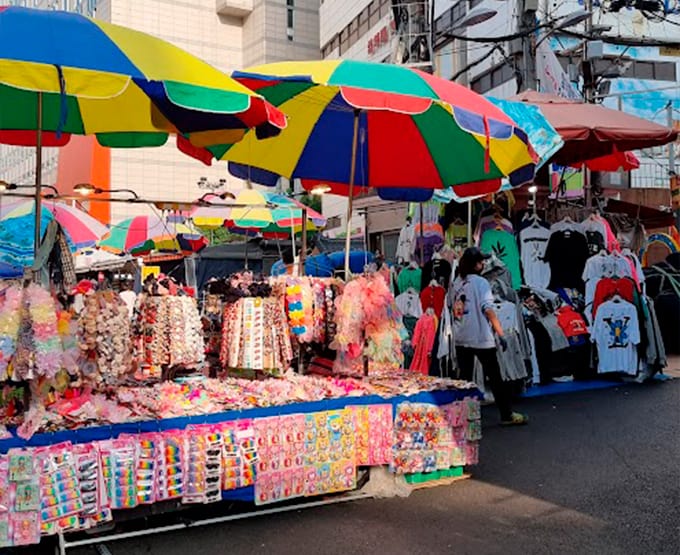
(608, 287)
(571, 322)
(433, 297)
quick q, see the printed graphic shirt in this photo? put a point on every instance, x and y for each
(616, 333)
(471, 297)
(503, 245)
(533, 242)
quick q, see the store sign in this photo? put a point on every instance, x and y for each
(553, 78)
(381, 38)
(147, 271)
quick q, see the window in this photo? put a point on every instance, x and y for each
(643, 70)
(493, 78)
(353, 32)
(344, 40)
(363, 21)
(664, 71)
(290, 6)
(373, 13)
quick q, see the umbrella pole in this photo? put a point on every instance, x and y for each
(353, 165)
(38, 178)
(303, 248)
(422, 241)
(469, 223)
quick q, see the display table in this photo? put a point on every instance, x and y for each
(301, 451)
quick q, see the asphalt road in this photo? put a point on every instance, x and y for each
(594, 472)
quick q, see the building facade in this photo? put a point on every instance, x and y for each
(635, 78)
(364, 30)
(229, 34)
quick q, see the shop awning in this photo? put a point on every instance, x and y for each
(591, 130)
(651, 218)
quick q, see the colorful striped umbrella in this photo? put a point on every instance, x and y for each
(381, 126)
(128, 88)
(144, 234)
(276, 221)
(360, 124)
(17, 236)
(81, 229)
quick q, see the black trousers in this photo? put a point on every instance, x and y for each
(492, 373)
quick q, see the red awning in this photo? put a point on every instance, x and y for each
(591, 130)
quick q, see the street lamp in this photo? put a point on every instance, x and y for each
(222, 196)
(4, 186)
(203, 183)
(320, 189)
(564, 22)
(474, 17)
(87, 189)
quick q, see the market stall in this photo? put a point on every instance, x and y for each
(92, 428)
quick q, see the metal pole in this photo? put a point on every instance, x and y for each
(671, 146)
(587, 95)
(671, 166)
(469, 223)
(38, 177)
(422, 240)
(303, 248)
(348, 238)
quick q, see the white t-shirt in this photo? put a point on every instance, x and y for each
(406, 243)
(598, 266)
(409, 304)
(533, 241)
(617, 334)
(471, 297)
(129, 298)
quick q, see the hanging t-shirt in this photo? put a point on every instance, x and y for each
(595, 241)
(608, 287)
(471, 298)
(433, 296)
(406, 243)
(602, 265)
(616, 333)
(409, 304)
(566, 253)
(436, 269)
(533, 241)
(503, 245)
(409, 277)
(573, 325)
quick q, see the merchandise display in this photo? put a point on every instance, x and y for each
(368, 324)
(168, 332)
(104, 338)
(275, 454)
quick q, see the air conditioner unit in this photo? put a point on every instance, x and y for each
(234, 8)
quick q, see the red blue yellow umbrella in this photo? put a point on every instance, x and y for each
(127, 88)
(363, 124)
(144, 234)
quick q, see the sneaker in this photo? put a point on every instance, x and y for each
(516, 419)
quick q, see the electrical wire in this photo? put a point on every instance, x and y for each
(478, 61)
(622, 41)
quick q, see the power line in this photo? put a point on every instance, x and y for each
(623, 41)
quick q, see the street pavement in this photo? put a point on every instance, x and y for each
(594, 472)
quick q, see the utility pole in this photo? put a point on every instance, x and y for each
(527, 22)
